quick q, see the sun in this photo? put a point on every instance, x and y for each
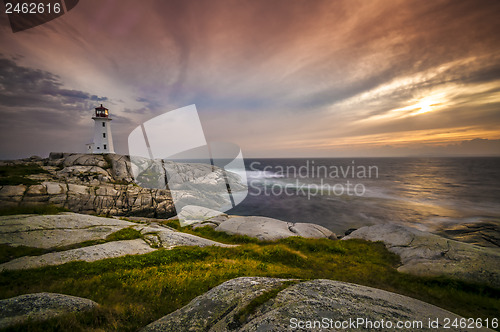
(430, 103)
(425, 106)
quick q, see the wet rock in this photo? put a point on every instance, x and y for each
(484, 234)
(349, 231)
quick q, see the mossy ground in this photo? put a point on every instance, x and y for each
(136, 290)
(15, 175)
(32, 209)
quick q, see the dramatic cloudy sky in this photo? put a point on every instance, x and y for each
(277, 77)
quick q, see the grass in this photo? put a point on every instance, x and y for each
(124, 234)
(17, 180)
(8, 253)
(136, 290)
(32, 209)
(242, 316)
(16, 174)
(209, 233)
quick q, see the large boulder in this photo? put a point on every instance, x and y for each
(88, 254)
(316, 305)
(269, 229)
(428, 254)
(49, 231)
(40, 306)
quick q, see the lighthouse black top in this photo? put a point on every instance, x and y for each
(101, 112)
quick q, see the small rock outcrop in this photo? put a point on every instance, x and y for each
(40, 306)
(428, 254)
(229, 307)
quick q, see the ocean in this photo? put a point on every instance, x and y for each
(455, 197)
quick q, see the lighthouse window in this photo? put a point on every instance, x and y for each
(104, 135)
(104, 124)
(104, 146)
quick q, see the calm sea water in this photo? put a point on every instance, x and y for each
(426, 193)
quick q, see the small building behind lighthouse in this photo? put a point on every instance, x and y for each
(103, 140)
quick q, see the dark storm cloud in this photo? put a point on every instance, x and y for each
(23, 87)
(150, 104)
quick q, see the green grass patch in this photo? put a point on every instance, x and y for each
(21, 170)
(8, 253)
(241, 317)
(136, 290)
(16, 174)
(175, 224)
(32, 209)
(124, 234)
(211, 234)
(17, 180)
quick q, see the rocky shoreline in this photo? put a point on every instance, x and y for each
(102, 184)
(421, 254)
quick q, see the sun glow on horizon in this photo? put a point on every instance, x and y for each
(432, 137)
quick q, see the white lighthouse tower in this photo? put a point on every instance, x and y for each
(103, 141)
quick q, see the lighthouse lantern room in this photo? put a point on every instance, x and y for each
(103, 141)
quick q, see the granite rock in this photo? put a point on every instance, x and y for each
(104, 184)
(324, 301)
(269, 229)
(428, 254)
(39, 307)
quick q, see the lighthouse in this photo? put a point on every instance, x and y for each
(103, 141)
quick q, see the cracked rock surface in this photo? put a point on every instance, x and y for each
(428, 254)
(217, 310)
